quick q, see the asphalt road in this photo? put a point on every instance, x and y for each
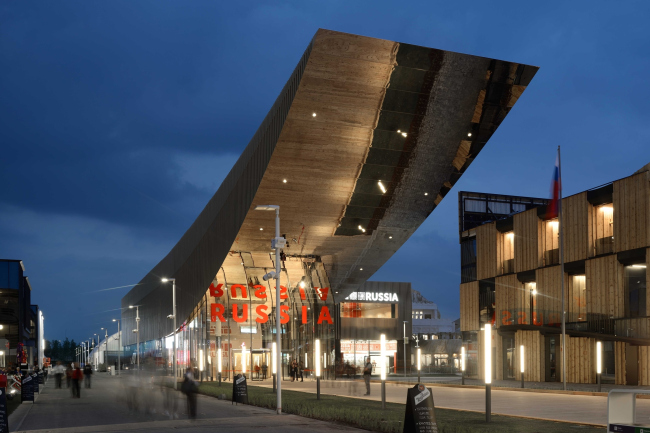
(104, 408)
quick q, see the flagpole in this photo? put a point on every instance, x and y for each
(562, 268)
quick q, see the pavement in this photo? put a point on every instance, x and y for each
(104, 408)
(556, 406)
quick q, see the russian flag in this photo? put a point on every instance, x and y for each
(553, 207)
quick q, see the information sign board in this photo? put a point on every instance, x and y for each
(420, 414)
(239, 389)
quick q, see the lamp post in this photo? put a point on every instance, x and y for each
(119, 346)
(383, 370)
(405, 340)
(96, 356)
(274, 360)
(521, 363)
(276, 244)
(419, 355)
(106, 347)
(488, 371)
(173, 280)
(599, 366)
(317, 365)
(462, 364)
(219, 364)
(137, 333)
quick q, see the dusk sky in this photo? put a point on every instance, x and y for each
(120, 119)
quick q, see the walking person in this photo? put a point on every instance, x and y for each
(367, 371)
(58, 371)
(77, 375)
(88, 371)
(301, 368)
(190, 388)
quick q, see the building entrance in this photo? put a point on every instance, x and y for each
(551, 350)
(509, 354)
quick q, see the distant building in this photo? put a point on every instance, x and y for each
(21, 323)
(427, 324)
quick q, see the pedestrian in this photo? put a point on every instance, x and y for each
(294, 368)
(300, 370)
(58, 371)
(68, 375)
(367, 371)
(190, 387)
(88, 371)
(77, 375)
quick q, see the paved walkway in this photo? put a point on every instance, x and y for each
(103, 408)
(586, 409)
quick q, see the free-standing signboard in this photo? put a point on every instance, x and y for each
(4, 418)
(420, 414)
(239, 389)
(35, 381)
(27, 388)
(41, 378)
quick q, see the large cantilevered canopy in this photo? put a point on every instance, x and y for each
(364, 141)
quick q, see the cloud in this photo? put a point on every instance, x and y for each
(204, 171)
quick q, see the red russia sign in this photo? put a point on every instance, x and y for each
(217, 310)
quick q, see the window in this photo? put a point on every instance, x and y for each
(603, 229)
(468, 260)
(425, 337)
(368, 310)
(551, 242)
(486, 301)
(577, 299)
(635, 291)
(427, 316)
(508, 253)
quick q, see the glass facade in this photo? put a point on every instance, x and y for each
(237, 315)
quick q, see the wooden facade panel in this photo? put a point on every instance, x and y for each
(580, 360)
(605, 287)
(576, 225)
(469, 314)
(533, 342)
(487, 259)
(632, 212)
(508, 295)
(644, 365)
(549, 295)
(619, 360)
(527, 246)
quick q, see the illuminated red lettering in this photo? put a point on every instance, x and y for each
(284, 317)
(304, 314)
(505, 317)
(522, 320)
(262, 316)
(217, 310)
(324, 315)
(244, 314)
(283, 293)
(537, 318)
(302, 294)
(322, 293)
(216, 291)
(260, 291)
(242, 289)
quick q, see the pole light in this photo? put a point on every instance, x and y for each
(599, 362)
(274, 359)
(317, 365)
(119, 347)
(462, 364)
(521, 363)
(383, 370)
(137, 333)
(419, 364)
(404, 349)
(174, 367)
(276, 244)
(487, 354)
(219, 364)
(243, 359)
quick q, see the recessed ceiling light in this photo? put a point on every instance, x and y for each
(361, 269)
(261, 228)
(313, 114)
(469, 134)
(390, 237)
(426, 193)
(404, 134)
(399, 131)
(382, 187)
(284, 181)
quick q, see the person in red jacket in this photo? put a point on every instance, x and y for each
(77, 376)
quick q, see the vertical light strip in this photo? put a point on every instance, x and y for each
(599, 360)
(521, 358)
(462, 358)
(383, 357)
(200, 359)
(419, 357)
(219, 360)
(487, 354)
(306, 366)
(243, 359)
(274, 361)
(317, 357)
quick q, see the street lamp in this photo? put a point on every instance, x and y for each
(487, 354)
(383, 370)
(317, 362)
(119, 347)
(106, 347)
(173, 280)
(419, 356)
(276, 244)
(137, 332)
(599, 362)
(405, 340)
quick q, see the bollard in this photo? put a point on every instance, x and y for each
(318, 388)
(488, 403)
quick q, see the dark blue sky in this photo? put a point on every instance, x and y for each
(118, 121)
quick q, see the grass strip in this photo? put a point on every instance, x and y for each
(368, 414)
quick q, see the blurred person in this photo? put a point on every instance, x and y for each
(190, 387)
(170, 403)
(88, 371)
(77, 376)
(367, 371)
(58, 371)
(301, 368)
(68, 375)
(132, 392)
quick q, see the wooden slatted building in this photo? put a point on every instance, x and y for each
(607, 252)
